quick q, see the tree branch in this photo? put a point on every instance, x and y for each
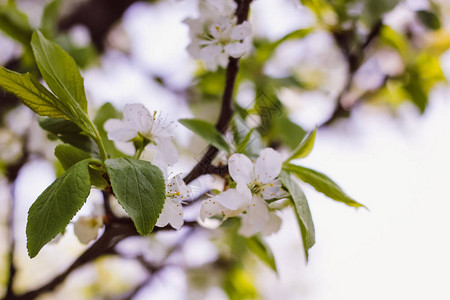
(354, 60)
(226, 111)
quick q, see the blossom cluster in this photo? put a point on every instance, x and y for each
(215, 34)
(255, 182)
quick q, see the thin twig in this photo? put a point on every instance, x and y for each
(354, 60)
(12, 246)
(226, 111)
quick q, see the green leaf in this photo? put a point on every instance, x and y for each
(417, 93)
(60, 71)
(429, 19)
(287, 132)
(56, 206)
(32, 93)
(106, 112)
(140, 189)
(69, 155)
(241, 147)
(322, 184)
(207, 131)
(69, 133)
(15, 24)
(266, 50)
(375, 9)
(49, 19)
(301, 210)
(305, 147)
(262, 250)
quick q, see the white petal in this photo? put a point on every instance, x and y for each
(166, 151)
(233, 200)
(210, 52)
(178, 189)
(272, 225)
(243, 189)
(119, 130)
(86, 228)
(236, 49)
(221, 27)
(268, 165)
(273, 190)
(241, 31)
(255, 219)
(222, 59)
(194, 49)
(240, 168)
(172, 213)
(211, 207)
(138, 116)
(195, 27)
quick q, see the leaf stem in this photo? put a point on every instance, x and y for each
(98, 139)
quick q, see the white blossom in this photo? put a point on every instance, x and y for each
(255, 183)
(215, 35)
(86, 228)
(138, 122)
(176, 192)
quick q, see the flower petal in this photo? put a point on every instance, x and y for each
(273, 190)
(166, 151)
(210, 52)
(178, 189)
(232, 199)
(255, 219)
(211, 207)
(240, 168)
(241, 31)
(243, 189)
(237, 49)
(221, 27)
(139, 116)
(272, 225)
(268, 165)
(172, 213)
(119, 130)
(86, 228)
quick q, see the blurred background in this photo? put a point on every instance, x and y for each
(371, 75)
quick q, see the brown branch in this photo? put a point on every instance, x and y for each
(12, 247)
(99, 16)
(226, 111)
(113, 234)
(354, 60)
(153, 269)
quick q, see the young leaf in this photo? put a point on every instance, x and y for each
(56, 206)
(322, 184)
(32, 93)
(240, 148)
(69, 155)
(140, 189)
(305, 147)
(106, 112)
(70, 133)
(301, 210)
(49, 19)
(207, 131)
(262, 250)
(60, 72)
(429, 19)
(15, 23)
